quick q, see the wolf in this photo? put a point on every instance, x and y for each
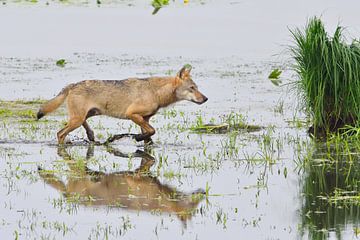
(135, 99)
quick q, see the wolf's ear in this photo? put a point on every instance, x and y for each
(184, 71)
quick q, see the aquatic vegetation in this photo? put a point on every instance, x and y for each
(158, 4)
(107, 231)
(279, 108)
(17, 113)
(331, 187)
(61, 63)
(18, 121)
(229, 123)
(275, 74)
(229, 146)
(329, 76)
(274, 77)
(270, 147)
(20, 108)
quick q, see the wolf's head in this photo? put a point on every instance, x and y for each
(186, 88)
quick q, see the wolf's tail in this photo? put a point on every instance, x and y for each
(54, 103)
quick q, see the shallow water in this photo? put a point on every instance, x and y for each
(257, 184)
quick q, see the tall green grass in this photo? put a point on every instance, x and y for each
(329, 76)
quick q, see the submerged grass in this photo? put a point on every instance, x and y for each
(329, 76)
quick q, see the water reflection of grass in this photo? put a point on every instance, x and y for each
(330, 189)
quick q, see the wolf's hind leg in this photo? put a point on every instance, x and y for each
(89, 131)
(73, 124)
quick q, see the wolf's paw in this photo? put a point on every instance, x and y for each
(143, 137)
(148, 142)
(139, 137)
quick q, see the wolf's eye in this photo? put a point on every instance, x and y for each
(192, 88)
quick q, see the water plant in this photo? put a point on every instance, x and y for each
(229, 123)
(330, 188)
(275, 74)
(61, 63)
(328, 71)
(158, 4)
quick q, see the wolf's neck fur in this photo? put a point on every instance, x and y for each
(165, 90)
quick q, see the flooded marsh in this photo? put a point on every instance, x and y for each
(240, 166)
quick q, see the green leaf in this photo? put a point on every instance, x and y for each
(275, 74)
(157, 4)
(61, 63)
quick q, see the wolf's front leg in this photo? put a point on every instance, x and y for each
(147, 141)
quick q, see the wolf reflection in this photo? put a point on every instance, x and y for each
(133, 190)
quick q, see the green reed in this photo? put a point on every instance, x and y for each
(329, 76)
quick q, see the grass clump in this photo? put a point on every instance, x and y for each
(329, 76)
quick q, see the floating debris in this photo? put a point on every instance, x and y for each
(225, 128)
